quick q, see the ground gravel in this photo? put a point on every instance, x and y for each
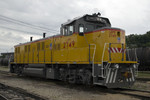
(56, 90)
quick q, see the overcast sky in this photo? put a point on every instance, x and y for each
(131, 15)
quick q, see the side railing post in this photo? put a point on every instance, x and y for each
(89, 54)
(109, 51)
(123, 50)
(92, 57)
(102, 67)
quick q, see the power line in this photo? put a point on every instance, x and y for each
(24, 23)
(20, 24)
(19, 30)
(27, 32)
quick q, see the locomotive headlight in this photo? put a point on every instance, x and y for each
(116, 66)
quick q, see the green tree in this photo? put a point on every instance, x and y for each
(134, 40)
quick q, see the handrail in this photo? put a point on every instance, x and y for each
(104, 72)
(104, 52)
(136, 55)
(137, 64)
(128, 55)
(102, 67)
(93, 59)
(102, 59)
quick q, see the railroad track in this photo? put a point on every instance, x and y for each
(143, 79)
(144, 95)
(3, 97)
(11, 93)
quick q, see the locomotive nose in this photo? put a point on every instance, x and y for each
(116, 35)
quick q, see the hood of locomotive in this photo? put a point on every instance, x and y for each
(109, 39)
(110, 35)
(111, 50)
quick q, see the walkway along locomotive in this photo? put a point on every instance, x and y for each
(88, 51)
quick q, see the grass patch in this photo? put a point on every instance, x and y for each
(144, 74)
(4, 68)
(140, 86)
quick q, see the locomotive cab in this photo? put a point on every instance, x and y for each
(84, 24)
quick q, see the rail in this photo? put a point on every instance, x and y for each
(2, 97)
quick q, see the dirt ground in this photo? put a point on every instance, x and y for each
(142, 85)
(57, 90)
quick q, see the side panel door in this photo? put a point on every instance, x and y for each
(30, 53)
(36, 53)
(48, 50)
(41, 52)
(26, 54)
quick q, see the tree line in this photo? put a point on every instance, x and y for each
(136, 41)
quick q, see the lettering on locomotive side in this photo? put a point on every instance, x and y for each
(112, 34)
(69, 44)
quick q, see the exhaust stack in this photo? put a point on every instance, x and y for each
(31, 38)
(44, 34)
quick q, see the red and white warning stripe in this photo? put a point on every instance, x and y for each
(116, 50)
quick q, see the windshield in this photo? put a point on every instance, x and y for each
(95, 19)
(93, 26)
(93, 23)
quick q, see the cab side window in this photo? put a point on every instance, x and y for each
(89, 27)
(68, 30)
(81, 28)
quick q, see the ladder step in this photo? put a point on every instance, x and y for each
(101, 76)
(98, 83)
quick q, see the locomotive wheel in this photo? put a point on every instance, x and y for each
(88, 77)
(18, 70)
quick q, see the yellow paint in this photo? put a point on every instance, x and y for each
(73, 49)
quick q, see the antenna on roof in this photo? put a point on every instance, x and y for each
(97, 15)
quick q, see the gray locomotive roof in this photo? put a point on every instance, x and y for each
(76, 18)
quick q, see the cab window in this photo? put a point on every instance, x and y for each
(68, 30)
(99, 26)
(81, 28)
(89, 27)
(63, 31)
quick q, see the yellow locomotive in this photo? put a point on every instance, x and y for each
(88, 51)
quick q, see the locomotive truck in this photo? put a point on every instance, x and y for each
(87, 51)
